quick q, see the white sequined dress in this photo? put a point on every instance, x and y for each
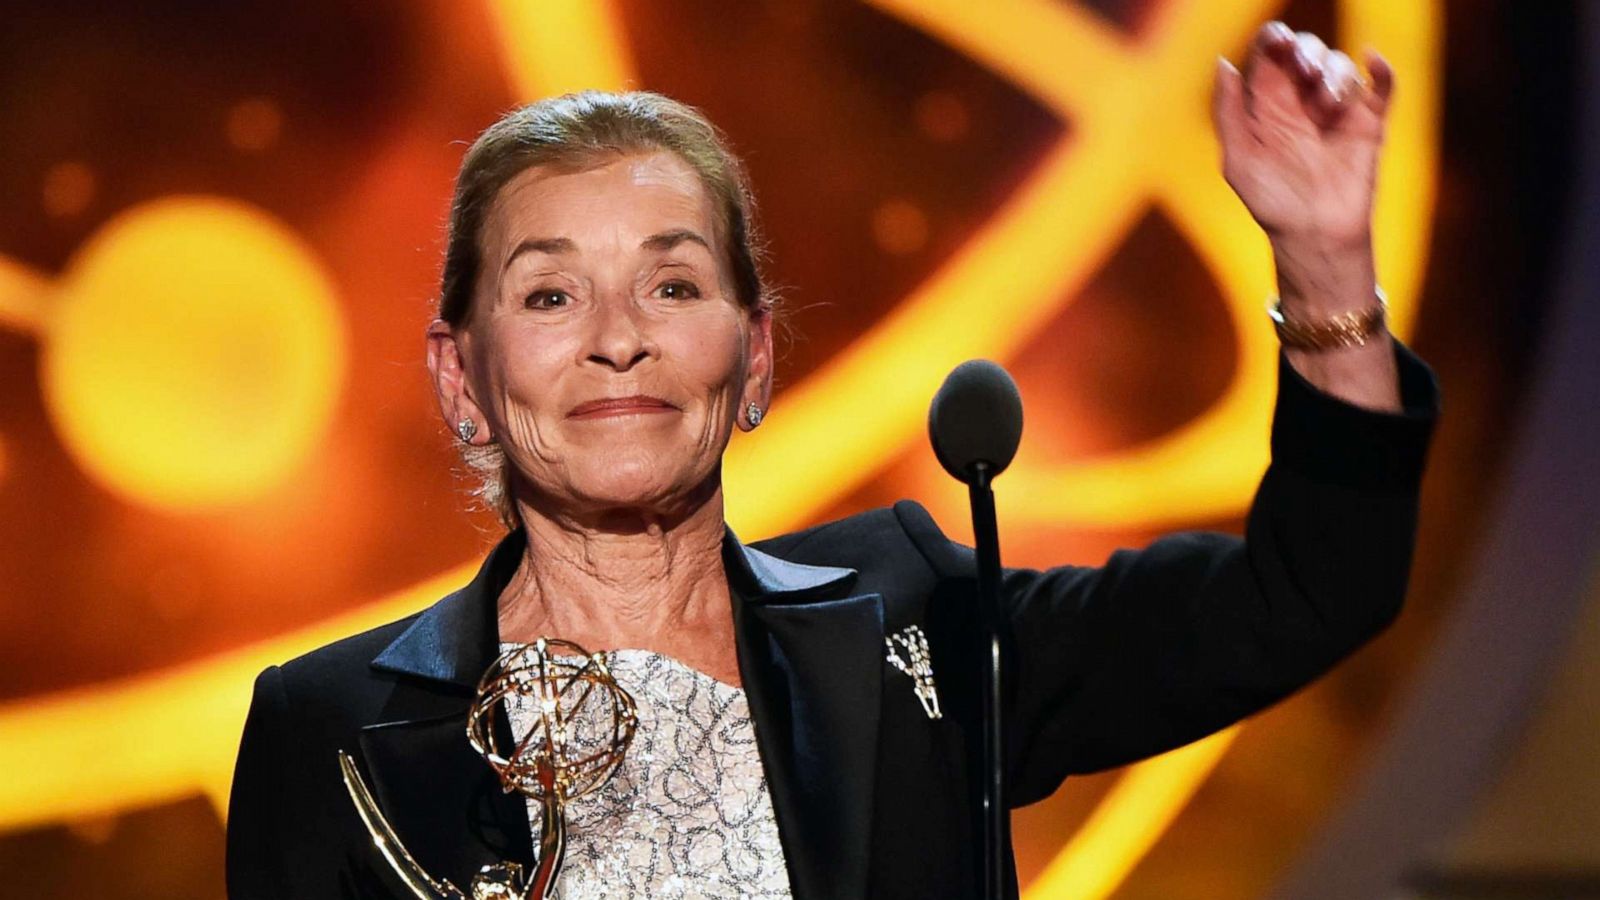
(688, 813)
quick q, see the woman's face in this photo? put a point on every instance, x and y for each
(607, 353)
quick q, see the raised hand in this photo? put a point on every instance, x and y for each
(1300, 133)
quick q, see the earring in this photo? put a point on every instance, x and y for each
(753, 414)
(466, 428)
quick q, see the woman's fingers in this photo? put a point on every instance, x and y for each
(1319, 79)
(1310, 53)
(1228, 112)
(1341, 83)
(1327, 81)
(1270, 67)
(1382, 81)
(1275, 41)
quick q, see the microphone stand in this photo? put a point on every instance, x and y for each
(996, 814)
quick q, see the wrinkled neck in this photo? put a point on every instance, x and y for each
(620, 578)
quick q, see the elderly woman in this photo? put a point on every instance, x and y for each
(603, 328)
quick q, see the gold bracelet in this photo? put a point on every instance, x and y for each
(1351, 329)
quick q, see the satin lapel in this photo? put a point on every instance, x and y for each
(439, 794)
(454, 640)
(443, 799)
(813, 673)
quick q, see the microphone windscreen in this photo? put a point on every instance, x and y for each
(976, 417)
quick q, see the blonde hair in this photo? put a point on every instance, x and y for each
(577, 131)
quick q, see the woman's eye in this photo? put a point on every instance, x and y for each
(547, 299)
(677, 290)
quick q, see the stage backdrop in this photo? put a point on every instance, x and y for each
(220, 233)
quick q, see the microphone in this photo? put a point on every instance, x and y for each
(976, 418)
(975, 425)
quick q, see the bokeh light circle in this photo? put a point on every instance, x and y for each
(193, 355)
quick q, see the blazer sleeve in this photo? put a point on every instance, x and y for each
(259, 804)
(1162, 646)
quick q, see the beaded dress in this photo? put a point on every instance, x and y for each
(687, 814)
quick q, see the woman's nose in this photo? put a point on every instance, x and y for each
(620, 339)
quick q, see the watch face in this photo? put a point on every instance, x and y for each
(220, 244)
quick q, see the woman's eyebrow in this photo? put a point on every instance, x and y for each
(555, 246)
(666, 240)
(552, 246)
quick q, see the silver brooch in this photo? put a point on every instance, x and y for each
(920, 666)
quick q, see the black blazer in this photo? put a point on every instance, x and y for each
(1154, 649)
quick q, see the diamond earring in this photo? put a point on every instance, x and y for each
(466, 428)
(753, 414)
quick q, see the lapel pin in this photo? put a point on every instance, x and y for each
(919, 667)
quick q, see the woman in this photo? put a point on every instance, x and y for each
(603, 327)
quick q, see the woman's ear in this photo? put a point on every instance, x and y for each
(450, 386)
(758, 379)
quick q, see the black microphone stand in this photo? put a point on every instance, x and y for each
(975, 424)
(996, 814)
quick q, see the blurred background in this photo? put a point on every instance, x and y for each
(220, 232)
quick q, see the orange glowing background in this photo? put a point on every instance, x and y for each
(218, 448)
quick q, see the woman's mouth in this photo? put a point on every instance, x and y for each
(638, 404)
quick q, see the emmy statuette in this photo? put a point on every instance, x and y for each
(584, 722)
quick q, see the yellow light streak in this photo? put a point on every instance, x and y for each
(1068, 58)
(161, 736)
(551, 47)
(1127, 822)
(988, 300)
(1139, 117)
(869, 401)
(1409, 37)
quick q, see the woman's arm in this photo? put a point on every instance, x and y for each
(1164, 645)
(1301, 134)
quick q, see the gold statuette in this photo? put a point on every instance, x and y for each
(584, 722)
